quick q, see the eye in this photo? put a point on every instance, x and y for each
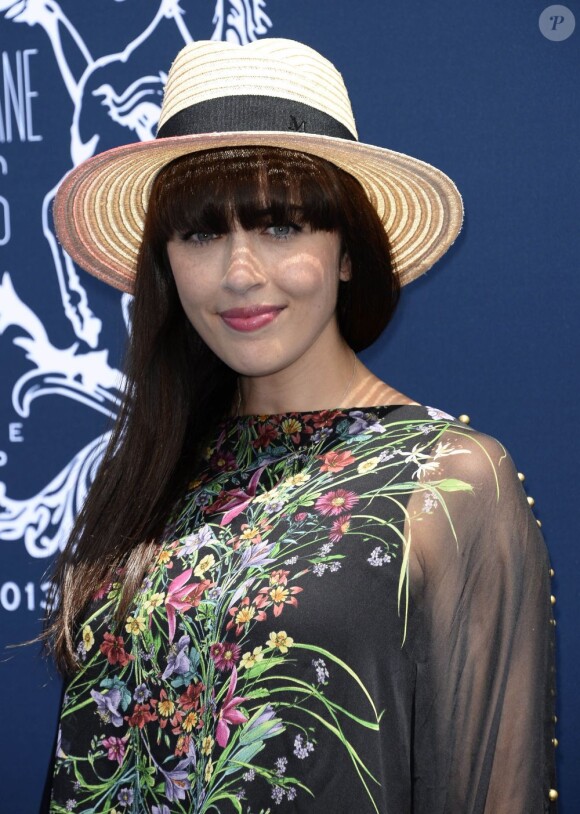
(200, 238)
(283, 231)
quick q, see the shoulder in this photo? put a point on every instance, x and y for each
(453, 449)
(477, 501)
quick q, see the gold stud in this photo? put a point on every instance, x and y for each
(553, 599)
(552, 572)
(555, 718)
(554, 742)
(521, 476)
(553, 794)
(539, 522)
(531, 500)
(465, 419)
(553, 622)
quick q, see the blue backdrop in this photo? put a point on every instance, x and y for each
(488, 92)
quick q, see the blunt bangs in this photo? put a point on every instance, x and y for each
(256, 187)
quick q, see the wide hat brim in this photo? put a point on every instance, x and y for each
(100, 207)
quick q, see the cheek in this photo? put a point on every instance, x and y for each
(189, 282)
(312, 278)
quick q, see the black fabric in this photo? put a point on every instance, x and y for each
(350, 614)
(229, 114)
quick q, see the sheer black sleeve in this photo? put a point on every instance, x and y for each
(480, 628)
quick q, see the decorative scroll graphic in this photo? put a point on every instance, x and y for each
(82, 371)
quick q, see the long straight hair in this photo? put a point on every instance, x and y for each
(177, 389)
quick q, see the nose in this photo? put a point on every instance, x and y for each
(243, 268)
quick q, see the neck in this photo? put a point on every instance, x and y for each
(307, 386)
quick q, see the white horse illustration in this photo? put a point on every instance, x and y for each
(82, 372)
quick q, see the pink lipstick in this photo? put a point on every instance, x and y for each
(251, 318)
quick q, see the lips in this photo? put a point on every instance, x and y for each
(251, 318)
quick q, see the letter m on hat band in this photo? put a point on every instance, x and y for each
(228, 114)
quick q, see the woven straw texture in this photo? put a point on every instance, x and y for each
(100, 207)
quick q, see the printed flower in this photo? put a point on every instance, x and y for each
(270, 495)
(424, 462)
(298, 480)
(266, 434)
(438, 414)
(125, 797)
(183, 745)
(159, 810)
(249, 659)
(279, 577)
(207, 745)
(113, 648)
(225, 655)
(368, 465)
(430, 502)
(335, 461)
(256, 556)
(191, 721)
(280, 640)
(378, 557)
(336, 502)
(177, 660)
(165, 709)
(107, 706)
(88, 638)
(339, 528)
(176, 784)
(141, 694)
(263, 725)
(164, 558)
(365, 422)
(115, 747)
(223, 460)
(141, 715)
(278, 794)
(190, 698)
(154, 601)
(233, 502)
(322, 674)
(204, 565)
(302, 748)
(300, 517)
(208, 771)
(182, 597)
(321, 419)
(292, 427)
(279, 595)
(228, 713)
(244, 613)
(103, 591)
(135, 625)
(204, 536)
(250, 534)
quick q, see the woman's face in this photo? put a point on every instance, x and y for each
(264, 299)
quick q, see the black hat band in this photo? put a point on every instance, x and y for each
(227, 114)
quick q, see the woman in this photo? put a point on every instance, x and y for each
(292, 587)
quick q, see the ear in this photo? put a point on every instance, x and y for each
(345, 271)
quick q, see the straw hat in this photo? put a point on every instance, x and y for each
(272, 92)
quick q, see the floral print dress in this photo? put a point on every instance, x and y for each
(350, 614)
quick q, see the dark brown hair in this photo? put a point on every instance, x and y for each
(177, 389)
